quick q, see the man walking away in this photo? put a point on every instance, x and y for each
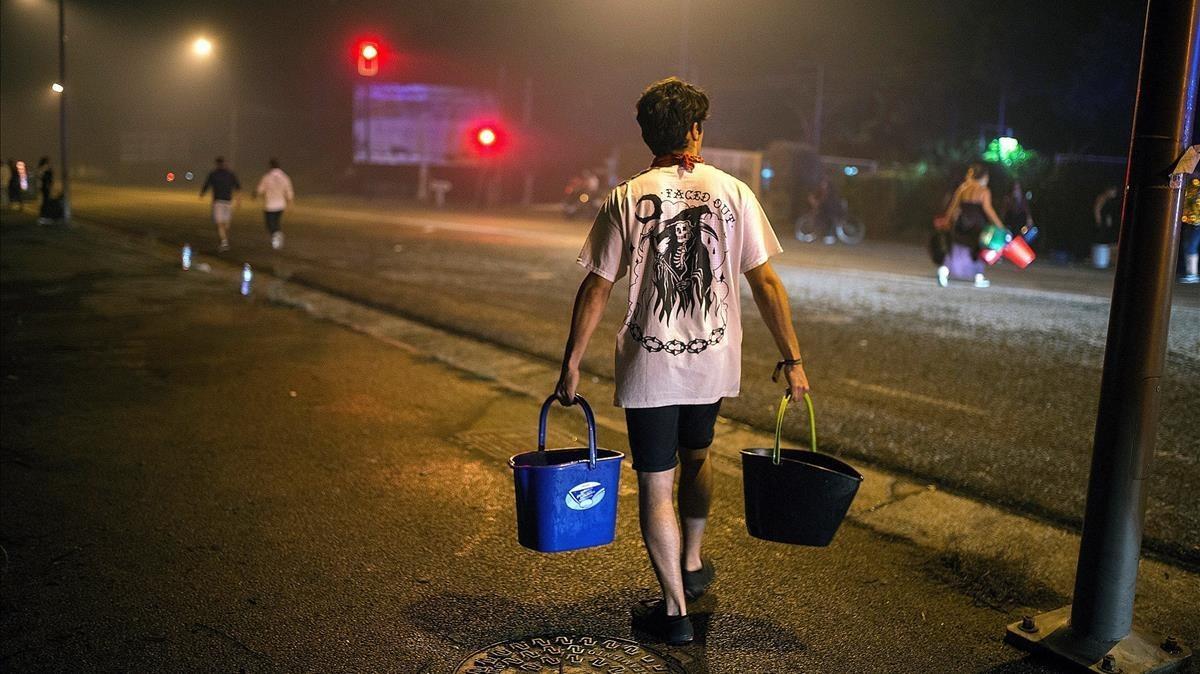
(683, 232)
(276, 189)
(224, 185)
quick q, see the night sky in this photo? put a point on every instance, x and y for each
(901, 77)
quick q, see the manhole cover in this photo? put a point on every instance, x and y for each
(567, 653)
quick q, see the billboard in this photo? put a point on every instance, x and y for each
(419, 124)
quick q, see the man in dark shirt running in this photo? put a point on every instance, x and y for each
(224, 186)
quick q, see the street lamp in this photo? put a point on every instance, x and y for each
(202, 47)
(56, 88)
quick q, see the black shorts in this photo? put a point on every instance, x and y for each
(656, 434)
(272, 220)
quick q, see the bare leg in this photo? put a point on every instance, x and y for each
(223, 230)
(695, 497)
(660, 531)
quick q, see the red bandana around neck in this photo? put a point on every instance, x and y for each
(687, 161)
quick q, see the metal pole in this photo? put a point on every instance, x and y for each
(1096, 631)
(818, 105)
(527, 124)
(62, 111)
(1137, 332)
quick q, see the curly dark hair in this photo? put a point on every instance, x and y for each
(666, 111)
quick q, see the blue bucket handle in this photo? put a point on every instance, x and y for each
(812, 424)
(591, 426)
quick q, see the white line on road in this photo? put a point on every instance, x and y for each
(917, 397)
(430, 224)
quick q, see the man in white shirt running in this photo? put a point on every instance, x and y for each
(683, 232)
(276, 189)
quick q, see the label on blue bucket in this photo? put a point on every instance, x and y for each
(585, 496)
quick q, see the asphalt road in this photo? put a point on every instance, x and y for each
(992, 392)
(195, 481)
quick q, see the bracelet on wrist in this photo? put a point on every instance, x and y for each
(780, 365)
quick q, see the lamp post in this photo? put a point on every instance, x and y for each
(1096, 631)
(60, 87)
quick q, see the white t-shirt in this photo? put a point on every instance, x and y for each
(276, 188)
(683, 238)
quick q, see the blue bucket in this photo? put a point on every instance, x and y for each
(566, 498)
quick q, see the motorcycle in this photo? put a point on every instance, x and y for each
(581, 198)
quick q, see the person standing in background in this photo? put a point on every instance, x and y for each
(9, 179)
(1017, 217)
(275, 187)
(16, 184)
(1106, 213)
(45, 175)
(1189, 234)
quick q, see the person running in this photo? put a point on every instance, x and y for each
(683, 232)
(970, 210)
(225, 186)
(276, 189)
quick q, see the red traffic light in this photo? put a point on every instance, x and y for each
(487, 138)
(368, 58)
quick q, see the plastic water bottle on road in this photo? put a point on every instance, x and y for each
(186, 257)
(247, 278)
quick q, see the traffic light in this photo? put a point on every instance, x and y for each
(487, 139)
(368, 58)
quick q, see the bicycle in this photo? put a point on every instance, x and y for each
(848, 230)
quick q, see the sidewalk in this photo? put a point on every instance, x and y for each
(197, 481)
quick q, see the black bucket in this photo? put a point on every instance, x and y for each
(793, 495)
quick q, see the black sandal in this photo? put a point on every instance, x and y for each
(650, 617)
(695, 583)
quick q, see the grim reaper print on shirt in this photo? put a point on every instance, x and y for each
(683, 303)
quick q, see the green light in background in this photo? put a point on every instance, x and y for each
(1006, 150)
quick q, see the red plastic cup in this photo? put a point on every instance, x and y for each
(1018, 252)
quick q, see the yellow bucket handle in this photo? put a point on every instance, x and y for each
(812, 424)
